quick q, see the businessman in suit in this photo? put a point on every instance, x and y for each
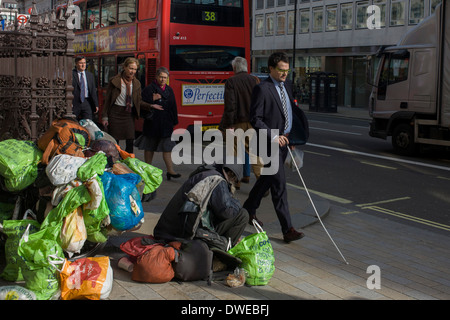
(273, 107)
(85, 100)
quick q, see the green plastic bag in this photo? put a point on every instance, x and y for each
(15, 229)
(257, 257)
(40, 254)
(93, 219)
(72, 200)
(94, 165)
(151, 175)
(18, 163)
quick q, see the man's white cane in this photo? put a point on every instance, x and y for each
(314, 207)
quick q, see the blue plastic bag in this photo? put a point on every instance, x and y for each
(123, 199)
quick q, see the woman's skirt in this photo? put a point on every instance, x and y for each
(121, 123)
(154, 144)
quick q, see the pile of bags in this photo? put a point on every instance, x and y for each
(75, 186)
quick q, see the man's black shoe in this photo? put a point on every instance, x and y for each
(292, 235)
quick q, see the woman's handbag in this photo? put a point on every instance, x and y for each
(257, 257)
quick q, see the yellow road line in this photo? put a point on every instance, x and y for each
(323, 195)
(317, 153)
(408, 217)
(383, 201)
(377, 165)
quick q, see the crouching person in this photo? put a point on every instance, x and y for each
(205, 208)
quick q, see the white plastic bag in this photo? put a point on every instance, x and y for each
(16, 293)
(298, 158)
(93, 129)
(63, 168)
(73, 232)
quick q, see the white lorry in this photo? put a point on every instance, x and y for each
(410, 97)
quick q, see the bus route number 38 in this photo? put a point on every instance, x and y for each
(210, 16)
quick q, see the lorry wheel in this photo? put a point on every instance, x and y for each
(403, 140)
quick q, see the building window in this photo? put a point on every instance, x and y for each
(397, 13)
(416, 11)
(269, 24)
(281, 23)
(433, 5)
(331, 18)
(317, 19)
(270, 3)
(281, 3)
(127, 11)
(259, 25)
(361, 14)
(346, 16)
(382, 5)
(291, 22)
(109, 13)
(304, 21)
(259, 4)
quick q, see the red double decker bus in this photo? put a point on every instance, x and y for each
(195, 39)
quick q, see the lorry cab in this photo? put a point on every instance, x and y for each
(406, 85)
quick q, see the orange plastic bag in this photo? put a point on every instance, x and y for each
(86, 278)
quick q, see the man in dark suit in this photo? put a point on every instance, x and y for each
(85, 100)
(273, 107)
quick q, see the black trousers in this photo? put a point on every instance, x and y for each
(234, 227)
(277, 185)
(83, 111)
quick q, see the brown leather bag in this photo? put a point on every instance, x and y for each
(61, 138)
(155, 265)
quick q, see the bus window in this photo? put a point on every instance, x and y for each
(92, 67)
(107, 70)
(93, 14)
(109, 13)
(140, 75)
(203, 58)
(82, 6)
(127, 11)
(208, 12)
(147, 9)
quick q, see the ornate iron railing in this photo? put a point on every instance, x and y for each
(35, 75)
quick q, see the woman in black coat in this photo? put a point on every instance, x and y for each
(158, 130)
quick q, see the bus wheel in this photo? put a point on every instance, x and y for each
(403, 140)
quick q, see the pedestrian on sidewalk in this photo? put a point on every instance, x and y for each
(236, 115)
(272, 107)
(123, 104)
(85, 100)
(158, 129)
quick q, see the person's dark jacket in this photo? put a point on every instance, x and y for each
(163, 121)
(222, 205)
(92, 89)
(237, 99)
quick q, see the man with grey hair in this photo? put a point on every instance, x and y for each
(237, 98)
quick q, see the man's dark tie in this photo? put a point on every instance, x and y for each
(284, 104)
(83, 88)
